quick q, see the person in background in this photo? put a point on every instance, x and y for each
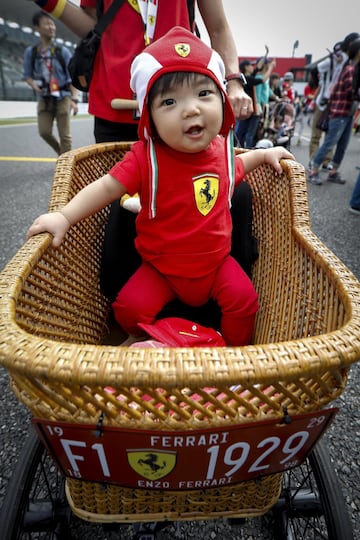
(246, 129)
(289, 93)
(263, 92)
(307, 106)
(184, 170)
(46, 72)
(275, 86)
(309, 96)
(287, 88)
(329, 70)
(326, 79)
(341, 112)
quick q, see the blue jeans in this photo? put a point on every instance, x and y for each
(246, 130)
(355, 196)
(338, 134)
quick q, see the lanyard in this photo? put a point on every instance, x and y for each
(47, 59)
(148, 11)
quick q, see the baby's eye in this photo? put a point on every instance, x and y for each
(205, 92)
(167, 102)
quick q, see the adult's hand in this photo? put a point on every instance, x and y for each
(242, 103)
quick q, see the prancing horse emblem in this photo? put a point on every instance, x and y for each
(182, 49)
(206, 190)
(151, 464)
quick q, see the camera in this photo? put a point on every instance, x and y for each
(45, 89)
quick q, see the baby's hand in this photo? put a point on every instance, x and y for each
(54, 223)
(272, 156)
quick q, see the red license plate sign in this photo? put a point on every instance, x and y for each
(172, 460)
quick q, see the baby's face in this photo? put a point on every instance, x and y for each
(189, 115)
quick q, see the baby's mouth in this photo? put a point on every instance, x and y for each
(194, 130)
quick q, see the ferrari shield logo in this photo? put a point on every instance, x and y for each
(134, 4)
(206, 190)
(151, 465)
(182, 49)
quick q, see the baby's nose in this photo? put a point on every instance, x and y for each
(191, 109)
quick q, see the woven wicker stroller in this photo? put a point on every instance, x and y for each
(54, 320)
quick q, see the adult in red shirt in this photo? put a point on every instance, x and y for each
(126, 36)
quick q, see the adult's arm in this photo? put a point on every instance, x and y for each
(268, 70)
(78, 20)
(217, 26)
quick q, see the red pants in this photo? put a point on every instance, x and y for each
(148, 291)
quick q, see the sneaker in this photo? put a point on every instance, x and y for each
(335, 178)
(355, 211)
(314, 178)
(327, 167)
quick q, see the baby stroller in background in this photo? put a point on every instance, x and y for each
(278, 126)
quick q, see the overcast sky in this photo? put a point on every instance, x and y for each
(316, 24)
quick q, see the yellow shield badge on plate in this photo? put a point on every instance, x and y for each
(151, 465)
(206, 190)
(182, 49)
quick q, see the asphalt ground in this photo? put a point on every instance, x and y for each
(26, 170)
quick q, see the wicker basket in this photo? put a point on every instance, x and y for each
(54, 320)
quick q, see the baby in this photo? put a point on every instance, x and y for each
(184, 169)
